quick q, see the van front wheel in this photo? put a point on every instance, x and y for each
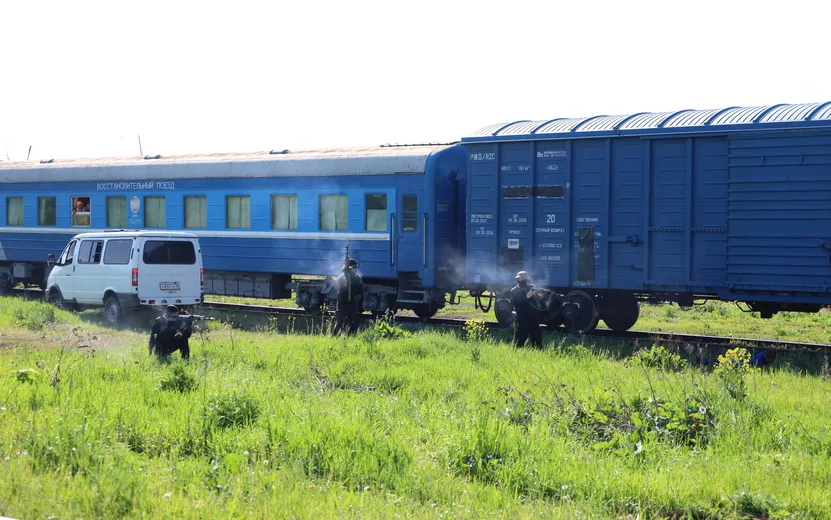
(113, 311)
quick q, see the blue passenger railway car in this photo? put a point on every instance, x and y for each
(607, 211)
(260, 217)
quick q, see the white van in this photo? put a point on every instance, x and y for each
(123, 270)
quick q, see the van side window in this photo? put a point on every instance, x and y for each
(118, 252)
(90, 251)
(81, 213)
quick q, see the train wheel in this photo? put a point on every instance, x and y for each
(425, 311)
(581, 316)
(620, 311)
(503, 310)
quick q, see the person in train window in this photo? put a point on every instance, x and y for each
(527, 317)
(350, 296)
(80, 213)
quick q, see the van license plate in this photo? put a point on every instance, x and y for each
(169, 286)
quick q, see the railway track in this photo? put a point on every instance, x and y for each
(646, 337)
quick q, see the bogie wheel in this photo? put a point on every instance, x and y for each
(503, 310)
(619, 311)
(583, 315)
(113, 311)
(425, 311)
(553, 323)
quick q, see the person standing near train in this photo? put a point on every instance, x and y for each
(527, 317)
(350, 295)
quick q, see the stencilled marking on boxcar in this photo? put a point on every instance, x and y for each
(552, 167)
(583, 220)
(481, 218)
(513, 243)
(550, 258)
(514, 231)
(442, 207)
(551, 245)
(516, 219)
(550, 230)
(482, 232)
(547, 154)
(483, 156)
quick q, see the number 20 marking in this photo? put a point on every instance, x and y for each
(550, 219)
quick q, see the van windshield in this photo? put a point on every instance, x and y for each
(172, 252)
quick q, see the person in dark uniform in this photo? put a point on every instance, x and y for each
(527, 317)
(170, 333)
(350, 295)
(763, 358)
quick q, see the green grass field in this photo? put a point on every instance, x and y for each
(392, 423)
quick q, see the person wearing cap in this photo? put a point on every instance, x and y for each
(350, 296)
(527, 317)
(82, 219)
(170, 334)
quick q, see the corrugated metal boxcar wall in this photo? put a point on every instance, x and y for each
(779, 212)
(584, 213)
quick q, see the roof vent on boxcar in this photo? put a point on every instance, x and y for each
(278, 152)
(47, 161)
(152, 157)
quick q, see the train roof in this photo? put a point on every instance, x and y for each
(376, 160)
(771, 117)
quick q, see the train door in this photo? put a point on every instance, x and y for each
(410, 239)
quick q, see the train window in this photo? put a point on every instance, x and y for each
(284, 212)
(238, 212)
(155, 213)
(81, 211)
(409, 220)
(196, 212)
(118, 252)
(14, 211)
(376, 212)
(90, 251)
(117, 212)
(46, 211)
(334, 213)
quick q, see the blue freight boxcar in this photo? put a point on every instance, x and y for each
(731, 204)
(260, 217)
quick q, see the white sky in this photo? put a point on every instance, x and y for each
(84, 78)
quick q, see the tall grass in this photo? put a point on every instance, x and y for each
(375, 426)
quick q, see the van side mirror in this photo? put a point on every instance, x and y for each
(50, 260)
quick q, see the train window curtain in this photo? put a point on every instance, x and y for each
(238, 212)
(196, 212)
(376, 212)
(333, 212)
(117, 212)
(155, 212)
(14, 211)
(283, 212)
(46, 211)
